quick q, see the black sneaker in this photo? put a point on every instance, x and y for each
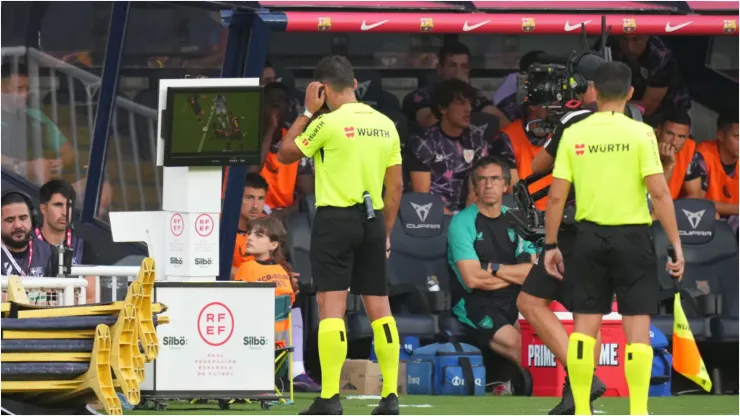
(388, 406)
(321, 406)
(567, 405)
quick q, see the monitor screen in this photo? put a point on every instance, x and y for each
(213, 126)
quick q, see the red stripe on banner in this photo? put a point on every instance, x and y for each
(509, 24)
(570, 5)
(433, 5)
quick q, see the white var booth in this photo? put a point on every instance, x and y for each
(203, 352)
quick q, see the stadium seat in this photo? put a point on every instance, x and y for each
(299, 241)
(725, 326)
(418, 254)
(419, 242)
(389, 102)
(369, 88)
(710, 251)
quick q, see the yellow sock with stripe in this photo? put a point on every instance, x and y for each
(387, 349)
(581, 370)
(332, 353)
(637, 370)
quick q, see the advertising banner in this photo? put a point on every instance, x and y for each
(191, 245)
(220, 340)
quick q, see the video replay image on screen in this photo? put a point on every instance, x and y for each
(213, 126)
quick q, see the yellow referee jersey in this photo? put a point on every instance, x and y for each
(351, 147)
(606, 156)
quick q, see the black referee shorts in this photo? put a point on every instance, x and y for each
(348, 251)
(539, 283)
(610, 260)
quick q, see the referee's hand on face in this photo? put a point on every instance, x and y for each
(554, 263)
(314, 96)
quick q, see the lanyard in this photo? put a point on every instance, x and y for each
(15, 264)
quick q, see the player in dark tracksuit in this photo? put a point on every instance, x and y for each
(195, 105)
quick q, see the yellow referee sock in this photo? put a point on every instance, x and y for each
(581, 370)
(332, 353)
(387, 349)
(637, 371)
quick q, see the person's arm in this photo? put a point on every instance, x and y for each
(393, 182)
(514, 273)
(525, 253)
(463, 257)
(658, 83)
(305, 180)
(562, 177)
(725, 209)
(651, 170)
(418, 161)
(503, 121)
(425, 118)
(695, 181)
(300, 141)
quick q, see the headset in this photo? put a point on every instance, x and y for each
(35, 217)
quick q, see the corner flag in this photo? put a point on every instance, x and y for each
(686, 358)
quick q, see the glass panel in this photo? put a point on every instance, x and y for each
(162, 41)
(49, 87)
(723, 55)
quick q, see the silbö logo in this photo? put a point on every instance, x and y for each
(255, 342)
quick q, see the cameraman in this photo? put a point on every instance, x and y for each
(539, 288)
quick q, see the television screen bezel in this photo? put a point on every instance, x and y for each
(210, 159)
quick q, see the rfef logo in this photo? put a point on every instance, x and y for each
(215, 324)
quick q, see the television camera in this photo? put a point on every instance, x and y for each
(557, 83)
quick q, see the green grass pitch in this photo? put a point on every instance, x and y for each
(484, 405)
(194, 134)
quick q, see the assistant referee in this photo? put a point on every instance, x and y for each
(612, 161)
(356, 151)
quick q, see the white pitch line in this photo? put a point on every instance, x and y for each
(208, 124)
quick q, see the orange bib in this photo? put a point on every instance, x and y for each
(524, 152)
(721, 187)
(683, 159)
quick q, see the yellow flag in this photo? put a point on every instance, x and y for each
(686, 358)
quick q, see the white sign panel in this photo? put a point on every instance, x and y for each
(220, 338)
(191, 244)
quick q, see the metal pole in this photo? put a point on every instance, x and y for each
(108, 89)
(256, 53)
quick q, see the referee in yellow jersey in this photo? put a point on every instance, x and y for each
(612, 161)
(356, 151)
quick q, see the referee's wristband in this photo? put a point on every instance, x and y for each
(549, 246)
(307, 113)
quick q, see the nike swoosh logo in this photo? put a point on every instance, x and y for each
(669, 28)
(468, 28)
(366, 26)
(570, 28)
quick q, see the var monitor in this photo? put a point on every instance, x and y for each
(212, 126)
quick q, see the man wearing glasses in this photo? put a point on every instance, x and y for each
(490, 261)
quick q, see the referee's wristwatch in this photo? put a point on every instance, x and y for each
(307, 113)
(549, 246)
